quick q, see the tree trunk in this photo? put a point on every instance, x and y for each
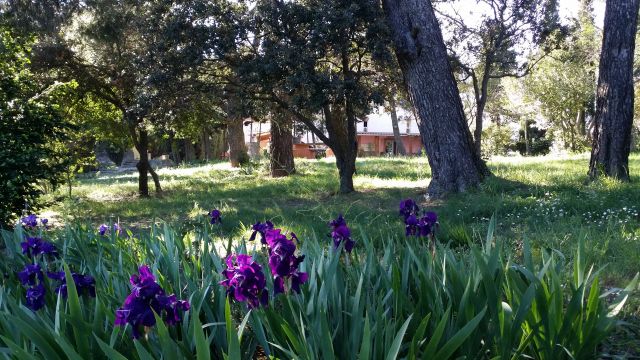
(156, 180)
(614, 97)
(581, 123)
(481, 102)
(346, 164)
(343, 145)
(281, 147)
(189, 151)
(237, 148)
(455, 165)
(142, 146)
(396, 128)
(477, 134)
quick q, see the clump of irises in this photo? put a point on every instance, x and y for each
(417, 223)
(147, 297)
(244, 277)
(340, 233)
(104, 228)
(31, 222)
(85, 284)
(33, 279)
(32, 275)
(34, 246)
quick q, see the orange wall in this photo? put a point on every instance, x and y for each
(376, 145)
(412, 144)
(303, 151)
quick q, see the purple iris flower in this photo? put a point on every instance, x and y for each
(284, 263)
(430, 218)
(103, 229)
(408, 207)
(85, 284)
(34, 246)
(30, 274)
(147, 297)
(117, 229)
(216, 217)
(412, 227)
(422, 226)
(35, 297)
(29, 221)
(340, 232)
(245, 281)
(261, 228)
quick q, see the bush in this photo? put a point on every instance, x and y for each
(388, 300)
(29, 124)
(496, 140)
(536, 139)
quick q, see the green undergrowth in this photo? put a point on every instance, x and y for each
(389, 298)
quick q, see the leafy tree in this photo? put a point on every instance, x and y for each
(120, 52)
(30, 124)
(507, 31)
(422, 55)
(563, 85)
(317, 57)
(614, 102)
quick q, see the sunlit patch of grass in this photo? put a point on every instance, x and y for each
(546, 199)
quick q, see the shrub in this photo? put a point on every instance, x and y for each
(535, 142)
(496, 140)
(29, 123)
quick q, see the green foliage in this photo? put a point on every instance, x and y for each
(30, 125)
(532, 140)
(389, 301)
(496, 140)
(564, 83)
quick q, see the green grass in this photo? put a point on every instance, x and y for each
(547, 200)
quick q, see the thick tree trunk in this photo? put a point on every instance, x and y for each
(346, 169)
(455, 165)
(237, 148)
(143, 166)
(281, 147)
(396, 129)
(614, 102)
(343, 144)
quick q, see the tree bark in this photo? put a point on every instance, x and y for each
(396, 129)
(143, 166)
(237, 148)
(343, 144)
(281, 147)
(455, 165)
(614, 97)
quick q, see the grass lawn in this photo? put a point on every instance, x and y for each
(545, 200)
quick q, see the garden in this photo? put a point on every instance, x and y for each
(375, 275)
(319, 179)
